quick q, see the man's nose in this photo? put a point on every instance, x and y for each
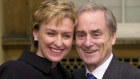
(88, 42)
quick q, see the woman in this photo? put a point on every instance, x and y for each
(52, 30)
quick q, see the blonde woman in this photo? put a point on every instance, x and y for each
(52, 30)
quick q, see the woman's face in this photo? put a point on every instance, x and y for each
(54, 42)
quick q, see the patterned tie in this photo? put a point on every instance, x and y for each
(90, 76)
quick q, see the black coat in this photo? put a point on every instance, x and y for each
(31, 66)
(116, 70)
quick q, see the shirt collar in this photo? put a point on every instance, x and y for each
(99, 71)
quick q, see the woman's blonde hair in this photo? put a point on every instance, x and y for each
(49, 9)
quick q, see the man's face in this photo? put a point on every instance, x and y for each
(93, 39)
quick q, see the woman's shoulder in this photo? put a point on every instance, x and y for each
(8, 69)
(12, 65)
(19, 69)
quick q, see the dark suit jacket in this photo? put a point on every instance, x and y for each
(116, 70)
(31, 66)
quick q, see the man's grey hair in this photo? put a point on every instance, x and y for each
(109, 17)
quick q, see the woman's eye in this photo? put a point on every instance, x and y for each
(51, 34)
(67, 36)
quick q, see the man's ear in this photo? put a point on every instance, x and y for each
(35, 34)
(113, 38)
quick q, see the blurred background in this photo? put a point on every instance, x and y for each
(15, 30)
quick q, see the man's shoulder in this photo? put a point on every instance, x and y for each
(117, 64)
(123, 70)
(79, 70)
(79, 73)
(130, 69)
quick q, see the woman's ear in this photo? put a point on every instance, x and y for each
(35, 34)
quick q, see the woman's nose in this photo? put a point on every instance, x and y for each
(58, 41)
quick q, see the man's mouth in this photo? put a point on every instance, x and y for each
(90, 51)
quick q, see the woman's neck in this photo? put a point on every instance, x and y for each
(54, 64)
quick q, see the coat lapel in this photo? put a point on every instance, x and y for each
(79, 73)
(83, 73)
(113, 70)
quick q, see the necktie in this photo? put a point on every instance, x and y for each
(90, 76)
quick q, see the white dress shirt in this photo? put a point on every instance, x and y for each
(99, 71)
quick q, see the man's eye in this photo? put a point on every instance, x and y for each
(96, 34)
(80, 35)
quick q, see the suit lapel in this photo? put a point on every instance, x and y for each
(83, 73)
(112, 71)
(79, 73)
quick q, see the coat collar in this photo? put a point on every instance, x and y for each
(36, 61)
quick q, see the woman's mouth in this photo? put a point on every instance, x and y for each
(56, 51)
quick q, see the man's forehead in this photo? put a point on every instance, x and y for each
(89, 30)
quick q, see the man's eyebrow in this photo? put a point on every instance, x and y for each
(79, 31)
(97, 30)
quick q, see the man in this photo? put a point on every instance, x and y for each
(95, 35)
